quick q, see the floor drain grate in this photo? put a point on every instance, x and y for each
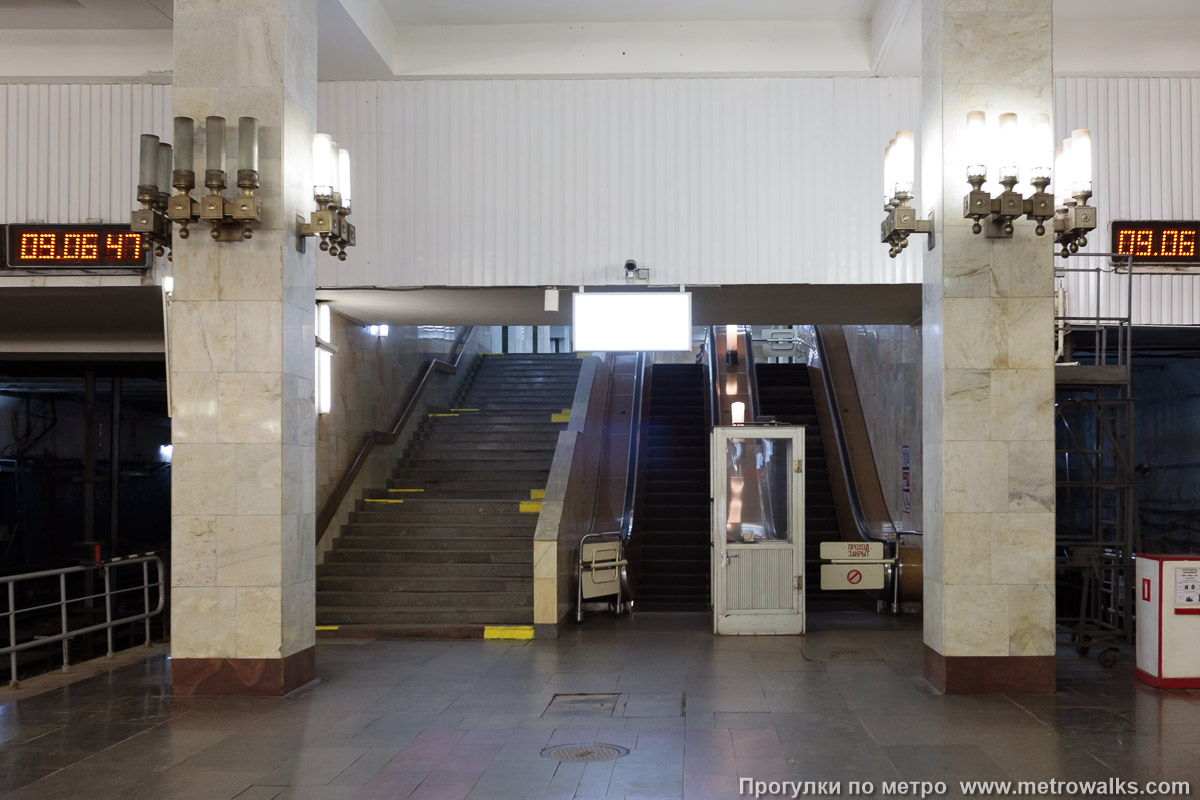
(585, 752)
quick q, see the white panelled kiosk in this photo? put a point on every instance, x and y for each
(1168, 620)
(758, 529)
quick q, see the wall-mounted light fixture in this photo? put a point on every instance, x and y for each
(1014, 147)
(230, 218)
(331, 190)
(1073, 217)
(377, 330)
(899, 170)
(737, 412)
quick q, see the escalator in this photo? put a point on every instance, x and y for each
(673, 512)
(785, 392)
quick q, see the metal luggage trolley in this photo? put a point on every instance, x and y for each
(601, 570)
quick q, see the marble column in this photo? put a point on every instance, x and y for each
(242, 330)
(988, 382)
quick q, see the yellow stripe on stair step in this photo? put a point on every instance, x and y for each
(443, 415)
(464, 409)
(582, 355)
(530, 507)
(537, 494)
(508, 631)
(561, 417)
(382, 500)
(328, 627)
(406, 490)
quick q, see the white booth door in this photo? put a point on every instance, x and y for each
(758, 529)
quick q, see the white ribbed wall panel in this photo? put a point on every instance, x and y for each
(557, 182)
(1146, 138)
(70, 150)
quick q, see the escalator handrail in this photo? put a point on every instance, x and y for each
(635, 443)
(860, 521)
(714, 411)
(751, 378)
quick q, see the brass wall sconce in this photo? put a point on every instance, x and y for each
(1067, 207)
(230, 218)
(899, 168)
(331, 190)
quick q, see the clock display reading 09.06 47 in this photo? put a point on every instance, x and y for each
(40, 246)
(1157, 241)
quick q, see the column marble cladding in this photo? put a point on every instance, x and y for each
(887, 370)
(988, 381)
(242, 334)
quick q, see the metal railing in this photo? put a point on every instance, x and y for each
(110, 591)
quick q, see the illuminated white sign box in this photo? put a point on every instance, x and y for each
(630, 321)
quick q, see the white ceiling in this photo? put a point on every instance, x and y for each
(82, 15)
(381, 39)
(521, 12)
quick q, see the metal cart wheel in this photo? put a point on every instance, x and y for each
(1108, 658)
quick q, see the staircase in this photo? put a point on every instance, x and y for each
(447, 546)
(786, 393)
(673, 569)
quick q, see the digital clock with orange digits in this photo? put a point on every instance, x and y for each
(1157, 241)
(75, 246)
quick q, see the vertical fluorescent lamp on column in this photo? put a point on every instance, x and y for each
(731, 334)
(148, 161)
(324, 365)
(737, 413)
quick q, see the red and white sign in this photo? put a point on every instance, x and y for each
(851, 576)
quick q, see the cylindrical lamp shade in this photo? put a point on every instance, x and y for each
(333, 162)
(1009, 142)
(1041, 147)
(148, 160)
(214, 143)
(904, 157)
(976, 144)
(248, 143)
(731, 334)
(344, 176)
(184, 135)
(164, 168)
(1067, 173)
(1081, 160)
(322, 165)
(889, 172)
(737, 412)
(1060, 167)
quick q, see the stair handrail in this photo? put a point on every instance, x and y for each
(860, 520)
(342, 487)
(635, 444)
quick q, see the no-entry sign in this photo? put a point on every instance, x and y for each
(852, 576)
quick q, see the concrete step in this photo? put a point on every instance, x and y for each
(434, 530)
(513, 445)
(411, 556)
(426, 571)
(397, 517)
(478, 462)
(431, 600)
(358, 540)
(482, 484)
(421, 477)
(337, 615)
(469, 586)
